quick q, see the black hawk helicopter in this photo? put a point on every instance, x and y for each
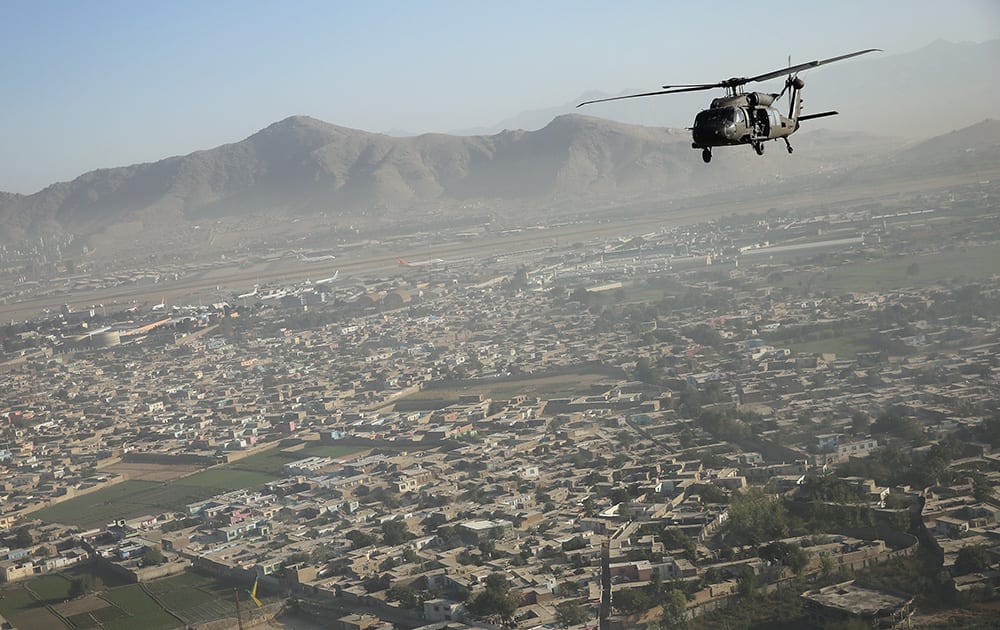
(746, 117)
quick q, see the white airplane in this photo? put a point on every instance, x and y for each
(420, 263)
(329, 280)
(162, 306)
(248, 295)
(313, 259)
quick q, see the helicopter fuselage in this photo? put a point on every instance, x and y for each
(740, 119)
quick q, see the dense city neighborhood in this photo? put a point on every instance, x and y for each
(650, 430)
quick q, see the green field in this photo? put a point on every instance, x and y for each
(270, 462)
(137, 498)
(141, 610)
(963, 264)
(200, 598)
(16, 601)
(227, 479)
(50, 588)
(844, 346)
(97, 507)
(544, 387)
(187, 599)
(101, 618)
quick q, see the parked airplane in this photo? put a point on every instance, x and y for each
(248, 295)
(420, 263)
(162, 306)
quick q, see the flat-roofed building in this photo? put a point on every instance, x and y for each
(875, 607)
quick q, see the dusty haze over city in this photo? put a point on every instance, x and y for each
(336, 315)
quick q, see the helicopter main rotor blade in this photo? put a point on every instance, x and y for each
(619, 98)
(690, 85)
(801, 66)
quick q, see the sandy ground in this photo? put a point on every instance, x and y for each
(82, 605)
(152, 472)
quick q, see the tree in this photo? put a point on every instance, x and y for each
(153, 556)
(394, 532)
(788, 554)
(632, 600)
(23, 538)
(405, 595)
(496, 601)
(747, 583)
(81, 585)
(570, 614)
(972, 559)
(675, 609)
(756, 516)
(904, 427)
(360, 538)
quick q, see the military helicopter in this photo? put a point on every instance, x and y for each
(746, 117)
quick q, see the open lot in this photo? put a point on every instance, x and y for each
(844, 346)
(969, 263)
(557, 386)
(133, 498)
(151, 472)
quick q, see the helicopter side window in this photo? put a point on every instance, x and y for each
(738, 116)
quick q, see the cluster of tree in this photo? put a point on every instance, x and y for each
(394, 533)
(787, 554)
(703, 334)
(570, 613)
(989, 430)
(892, 422)
(81, 585)
(497, 602)
(153, 556)
(891, 465)
(360, 539)
(755, 517)
(725, 425)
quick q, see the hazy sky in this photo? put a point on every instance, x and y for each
(109, 83)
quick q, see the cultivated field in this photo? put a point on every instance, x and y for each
(559, 386)
(151, 472)
(133, 498)
(962, 264)
(844, 346)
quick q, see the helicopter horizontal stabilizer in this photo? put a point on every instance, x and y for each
(821, 115)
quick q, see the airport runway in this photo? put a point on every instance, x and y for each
(673, 214)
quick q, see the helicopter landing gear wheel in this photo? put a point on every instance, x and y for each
(706, 155)
(788, 145)
(758, 147)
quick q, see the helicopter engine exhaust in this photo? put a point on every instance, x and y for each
(755, 99)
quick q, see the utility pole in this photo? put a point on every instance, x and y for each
(239, 615)
(604, 615)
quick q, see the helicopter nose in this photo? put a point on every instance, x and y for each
(730, 131)
(709, 134)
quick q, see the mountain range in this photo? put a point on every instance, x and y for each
(302, 166)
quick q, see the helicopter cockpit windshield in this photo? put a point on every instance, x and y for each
(719, 116)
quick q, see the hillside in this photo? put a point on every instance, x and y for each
(301, 165)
